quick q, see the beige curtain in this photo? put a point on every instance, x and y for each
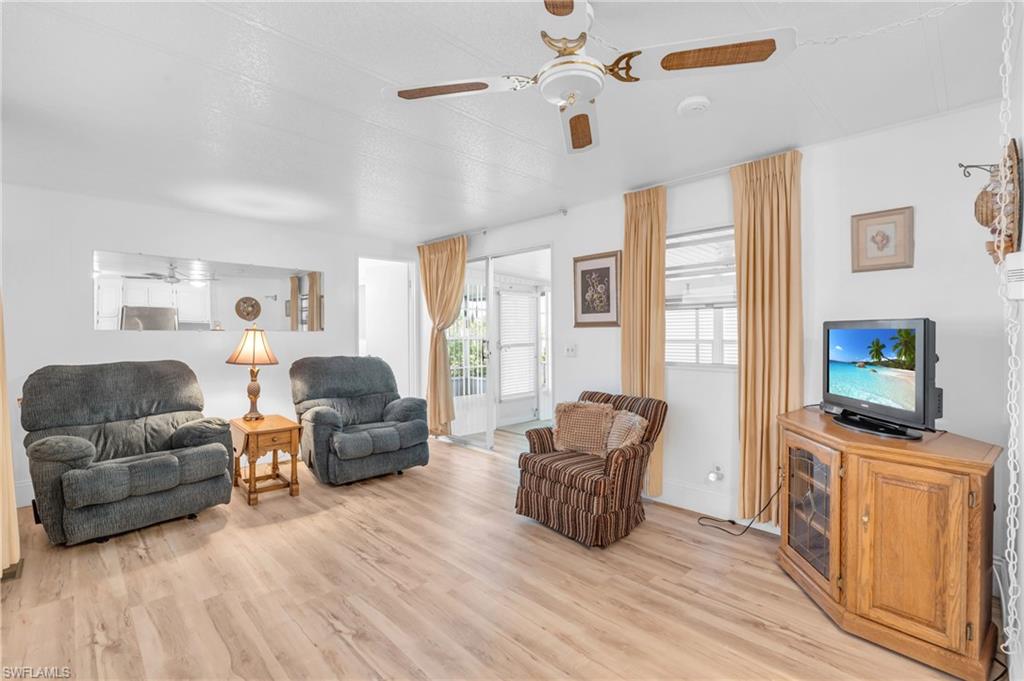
(10, 546)
(766, 212)
(295, 311)
(442, 275)
(316, 311)
(643, 307)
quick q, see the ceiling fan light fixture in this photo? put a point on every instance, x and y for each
(577, 76)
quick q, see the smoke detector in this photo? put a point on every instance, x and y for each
(693, 105)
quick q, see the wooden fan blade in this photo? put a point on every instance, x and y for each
(460, 88)
(441, 90)
(579, 126)
(559, 8)
(720, 55)
(745, 51)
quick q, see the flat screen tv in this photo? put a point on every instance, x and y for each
(879, 375)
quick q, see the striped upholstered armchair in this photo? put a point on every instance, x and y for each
(593, 500)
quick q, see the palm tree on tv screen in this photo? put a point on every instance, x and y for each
(905, 347)
(876, 351)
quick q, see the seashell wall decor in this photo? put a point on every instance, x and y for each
(986, 206)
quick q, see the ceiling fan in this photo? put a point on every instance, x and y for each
(171, 276)
(573, 80)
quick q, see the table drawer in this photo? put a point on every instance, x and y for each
(282, 440)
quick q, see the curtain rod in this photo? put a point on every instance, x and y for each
(564, 211)
(708, 173)
(483, 230)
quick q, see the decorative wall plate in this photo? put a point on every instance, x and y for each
(248, 308)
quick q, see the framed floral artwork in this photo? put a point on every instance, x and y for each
(883, 240)
(596, 289)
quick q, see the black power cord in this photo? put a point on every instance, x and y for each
(1002, 673)
(707, 520)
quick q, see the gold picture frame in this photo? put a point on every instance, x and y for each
(883, 240)
(596, 282)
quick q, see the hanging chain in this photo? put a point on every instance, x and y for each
(888, 28)
(1011, 314)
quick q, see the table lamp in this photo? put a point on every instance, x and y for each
(253, 350)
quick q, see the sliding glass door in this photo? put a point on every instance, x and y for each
(469, 356)
(499, 348)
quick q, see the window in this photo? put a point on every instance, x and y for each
(517, 333)
(700, 298)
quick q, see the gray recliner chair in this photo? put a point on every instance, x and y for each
(354, 424)
(115, 447)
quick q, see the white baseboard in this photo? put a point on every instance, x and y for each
(695, 498)
(704, 499)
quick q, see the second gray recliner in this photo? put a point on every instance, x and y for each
(354, 423)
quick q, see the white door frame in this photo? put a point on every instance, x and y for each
(551, 302)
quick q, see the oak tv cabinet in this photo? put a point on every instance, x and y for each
(893, 538)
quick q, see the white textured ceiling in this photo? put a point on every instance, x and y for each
(274, 110)
(535, 265)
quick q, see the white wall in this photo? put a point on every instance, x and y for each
(953, 282)
(48, 240)
(386, 317)
(590, 228)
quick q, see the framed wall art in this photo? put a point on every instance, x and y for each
(596, 281)
(883, 240)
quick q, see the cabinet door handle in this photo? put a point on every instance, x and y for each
(864, 518)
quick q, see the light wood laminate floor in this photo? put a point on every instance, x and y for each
(428, 575)
(506, 443)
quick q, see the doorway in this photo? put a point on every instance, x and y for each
(500, 351)
(387, 318)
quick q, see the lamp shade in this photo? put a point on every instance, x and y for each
(253, 349)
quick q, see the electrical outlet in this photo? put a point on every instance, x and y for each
(570, 350)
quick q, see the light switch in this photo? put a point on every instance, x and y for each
(570, 350)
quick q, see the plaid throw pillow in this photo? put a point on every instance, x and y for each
(583, 427)
(627, 429)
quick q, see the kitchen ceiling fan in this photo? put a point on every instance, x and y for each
(573, 80)
(171, 276)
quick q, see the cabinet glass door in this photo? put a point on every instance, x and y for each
(810, 510)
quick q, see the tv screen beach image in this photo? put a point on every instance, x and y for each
(873, 365)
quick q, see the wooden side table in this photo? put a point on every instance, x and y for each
(272, 433)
